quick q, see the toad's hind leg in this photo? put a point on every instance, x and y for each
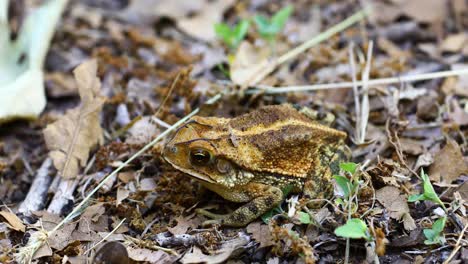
(260, 199)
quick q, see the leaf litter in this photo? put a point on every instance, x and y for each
(157, 61)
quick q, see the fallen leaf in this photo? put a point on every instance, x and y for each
(219, 256)
(249, 62)
(122, 194)
(13, 221)
(448, 164)
(182, 226)
(147, 184)
(142, 132)
(454, 43)
(395, 203)
(201, 24)
(195, 17)
(260, 233)
(22, 80)
(70, 138)
(425, 11)
(151, 256)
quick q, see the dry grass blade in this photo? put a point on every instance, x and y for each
(267, 89)
(364, 118)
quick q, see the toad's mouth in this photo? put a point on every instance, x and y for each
(195, 175)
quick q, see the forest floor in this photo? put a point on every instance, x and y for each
(396, 76)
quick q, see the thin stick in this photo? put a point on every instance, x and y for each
(266, 89)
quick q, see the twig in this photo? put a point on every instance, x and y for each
(185, 240)
(457, 245)
(267, 89)
(37, 194)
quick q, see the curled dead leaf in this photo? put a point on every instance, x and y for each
(72, 136)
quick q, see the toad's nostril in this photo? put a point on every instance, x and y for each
(173, 149)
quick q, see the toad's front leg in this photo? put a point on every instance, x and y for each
(260, 199)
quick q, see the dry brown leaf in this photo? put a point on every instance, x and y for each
(395, 203)
(425, 11)
(150, 256)
(142, 132)
(182, 226)
(13, 221)
(261, 234)
(448, 164)
(220, 256)
(454, 42)
(195, 17)
(122, 194)
(70, 138)
(249, 62)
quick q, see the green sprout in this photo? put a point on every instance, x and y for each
(354, 228)
(435, 235)
(428, 194)
(232, 36)
(269, 28)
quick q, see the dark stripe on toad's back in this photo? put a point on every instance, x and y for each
(266, 116)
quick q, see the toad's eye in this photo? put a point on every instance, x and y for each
(200, 157)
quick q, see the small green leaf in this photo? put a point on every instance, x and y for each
(266, 217)
(416, 197)
(348, 167)
(280, 18)
(344, 184)
(304, 218)
(354, 228)
(268, 28)
(232, 36)
(435, 234)
(428, 194)
(287, 189)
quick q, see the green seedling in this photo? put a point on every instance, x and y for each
(354, 228)
(232, 36)
(435, 235)
(270, 27)
(349, 187)
(428, 194)
(304, 218)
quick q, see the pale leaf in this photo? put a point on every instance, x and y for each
(70, 138)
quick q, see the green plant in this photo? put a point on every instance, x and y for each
(270, 27)
(433, 235)
(304, 218)
(349, 186)
(232, 36)
(428, 192)
(354, 228)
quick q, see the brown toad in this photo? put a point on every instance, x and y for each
(251, 158)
